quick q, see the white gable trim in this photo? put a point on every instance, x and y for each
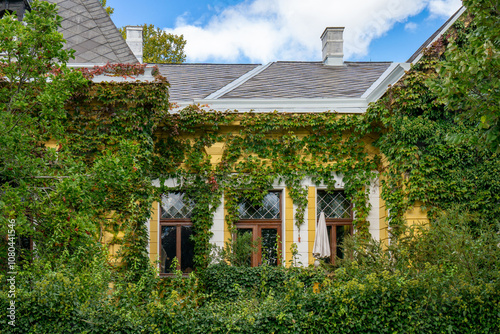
(389, 77)
(238, 82)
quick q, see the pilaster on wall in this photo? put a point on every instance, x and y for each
(383, 223)
(288, 227)
(153, 232)
(219, 228)
(373, 218)
(227, 233)
(311, 222)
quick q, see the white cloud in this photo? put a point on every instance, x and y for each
(411, 26)
(444, 7)
(267, 30)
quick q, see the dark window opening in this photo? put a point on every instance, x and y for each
(176, 230)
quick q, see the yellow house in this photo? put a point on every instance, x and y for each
(331, 90)
(303, 89)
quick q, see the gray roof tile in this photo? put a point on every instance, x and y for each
(279, 80)
(310, 80)
(196, 81)
(89, 30)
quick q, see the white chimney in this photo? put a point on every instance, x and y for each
(134, 40)
(333, 46)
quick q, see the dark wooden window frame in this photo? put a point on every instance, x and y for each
(334, 222)
(178, 223)
(257, 225)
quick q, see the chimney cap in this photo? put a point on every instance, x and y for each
(327, 29)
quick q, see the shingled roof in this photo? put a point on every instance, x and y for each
(310, 79)
(89, 31)
(197, 81)
(278, 85)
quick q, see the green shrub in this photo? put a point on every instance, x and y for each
(437, 279)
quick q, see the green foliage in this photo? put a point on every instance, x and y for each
(461, 246)
(96, 180)
(468, 79)
(419, 292)
(159, 46)
(416, 119)
(267, 148)
(224, 282)
(116, 137)
(34, 86)
(108, 9)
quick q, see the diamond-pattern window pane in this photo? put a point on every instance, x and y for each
(270, 208)
(334, 204)
(175, 206)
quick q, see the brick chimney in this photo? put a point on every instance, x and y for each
(134, 40)
(333, 46)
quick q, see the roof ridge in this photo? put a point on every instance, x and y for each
(238, 82)
(415, 57)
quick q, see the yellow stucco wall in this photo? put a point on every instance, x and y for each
(416, 216)
(51, 144)
(153, 233)
(309, 229)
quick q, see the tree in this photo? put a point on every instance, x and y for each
(34, 86)
(468, 79)
(161, 47)
(108, 9)
(158, 46)
(60, 198)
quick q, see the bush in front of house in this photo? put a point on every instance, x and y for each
(437, 279)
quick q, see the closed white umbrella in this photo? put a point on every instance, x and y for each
(321, 248)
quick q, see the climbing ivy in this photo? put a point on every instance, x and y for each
(119, 136)
(110, 128)
(425, 164)
(259, 150)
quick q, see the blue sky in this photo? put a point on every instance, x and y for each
(259, 31)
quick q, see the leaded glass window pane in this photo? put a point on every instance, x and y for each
(246, 259)
(334, 204)
(270, 208)
(176, 206)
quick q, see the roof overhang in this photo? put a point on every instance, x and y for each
(354, 105)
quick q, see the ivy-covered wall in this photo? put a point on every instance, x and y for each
(401, 143)
(433, 158)
(219, 157)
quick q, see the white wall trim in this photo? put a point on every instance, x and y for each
(298, 105)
